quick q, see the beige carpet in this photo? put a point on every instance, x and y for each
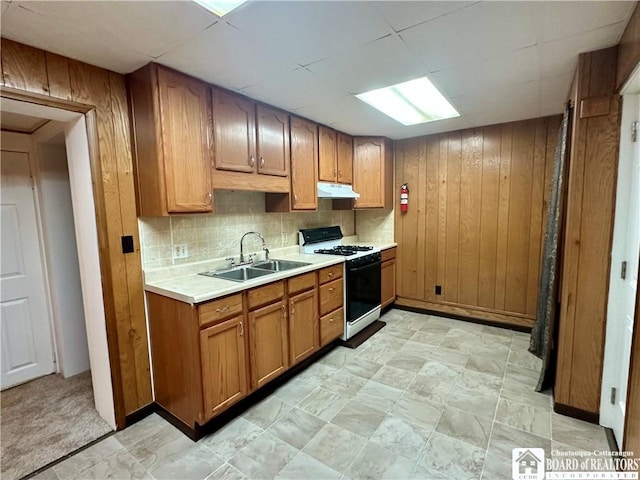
(44, 420)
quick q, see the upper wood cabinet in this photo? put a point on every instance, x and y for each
(344, 154)
(373, 172)
(272, 141)
(335, 162)
(234, 127)
(304, 164)
(172, 142)
(328, 162)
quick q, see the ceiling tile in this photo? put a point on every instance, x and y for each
(561, 56)
(292, 90)
(327, 111)
(149, 27)
(307, 32)
(224, 56)
(378, 64)
(26, 26)
(565, 19)
(514, 67)
(483, 30)
(509, 98)
(402, 15)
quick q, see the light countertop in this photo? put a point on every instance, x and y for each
(193, 288)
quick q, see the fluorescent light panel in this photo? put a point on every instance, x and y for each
(220, 7)
(410, 103)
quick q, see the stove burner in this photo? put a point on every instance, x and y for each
(344, 250)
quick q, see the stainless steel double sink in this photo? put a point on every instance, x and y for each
(255, 270)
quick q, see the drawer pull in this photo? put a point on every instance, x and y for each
(223, 309)
(331, 320)
(261, 162)
(331, 290)
(284, 311)
(330, 274)
(241, 329)
(252, 161)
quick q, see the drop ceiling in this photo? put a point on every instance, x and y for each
(495, 61)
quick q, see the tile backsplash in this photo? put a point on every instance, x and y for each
(375, 225)
(218, 235)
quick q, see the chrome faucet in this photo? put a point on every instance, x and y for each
(264, 246)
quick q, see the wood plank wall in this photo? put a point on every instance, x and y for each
(26, 69)
(476, 216)
(629, 49)
(588, 232)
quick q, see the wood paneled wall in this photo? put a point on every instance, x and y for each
(629, 49)
(476, 218)
(70, 84)
(588, 232)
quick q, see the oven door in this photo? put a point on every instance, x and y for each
(363, 289)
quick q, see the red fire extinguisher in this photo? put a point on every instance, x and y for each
(404, 198)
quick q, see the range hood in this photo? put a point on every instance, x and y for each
(336, 190)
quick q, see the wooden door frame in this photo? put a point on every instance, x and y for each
(89, 112)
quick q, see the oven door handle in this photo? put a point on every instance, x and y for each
(370, 265)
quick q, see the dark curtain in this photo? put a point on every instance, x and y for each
(543, 332)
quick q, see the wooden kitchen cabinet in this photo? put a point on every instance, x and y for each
(272, 141)
(172, 142)
(304, 333)
(331, 303)
(224, 367)
(268, 342)
(344, 154)
(327, 155)
(250, 144)
(304, 164)
(234, 132)
(373, 172)
(388, 272)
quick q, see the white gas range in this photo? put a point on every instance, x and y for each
(362, 287)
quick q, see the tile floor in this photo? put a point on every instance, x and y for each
(426, 398)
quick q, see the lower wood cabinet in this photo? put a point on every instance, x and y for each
(268, 343)
(224, 366)
(304, 334)
(388, 272)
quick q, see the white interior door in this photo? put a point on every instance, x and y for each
(624, 274)
(27, 350)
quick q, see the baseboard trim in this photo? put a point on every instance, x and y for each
(140, 414)
(578, 413)
(465, 318)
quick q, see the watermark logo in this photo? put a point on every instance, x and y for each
(527, 464)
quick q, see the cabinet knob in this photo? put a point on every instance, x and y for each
(339, 173)
(252, 161)
(331, 320)
(261, 162)
(331, 290)
(330, 274)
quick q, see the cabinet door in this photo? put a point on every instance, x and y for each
(234, 132)
(345, 158)
(268, 343)
(328, 163)
(224, 365)
(304, 333)
(185, 142)
(368, 172)
(272, 141)
(304, 164)
(388, 272)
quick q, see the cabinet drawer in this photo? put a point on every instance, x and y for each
(331, 326)
(331, 296)
(330, 273)
(220, 309)
(302, 282)
(263, 295)
(388, 254)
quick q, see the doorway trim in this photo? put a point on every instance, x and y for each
(85, 124)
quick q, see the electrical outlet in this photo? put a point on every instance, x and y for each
(180, 250)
